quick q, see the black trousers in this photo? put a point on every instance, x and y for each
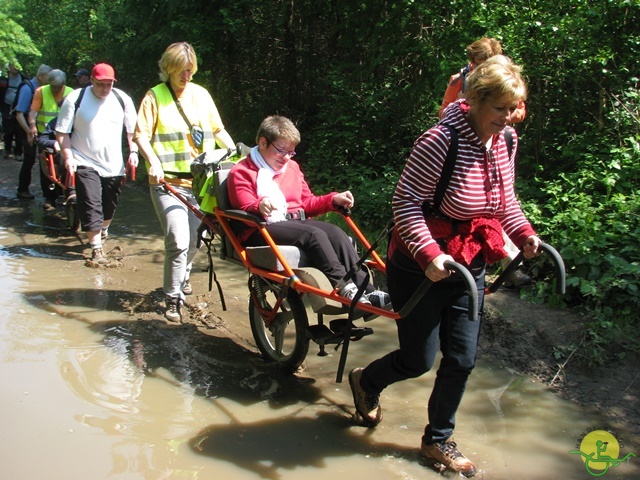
(9, 126)
(327, 245)
(97, 198)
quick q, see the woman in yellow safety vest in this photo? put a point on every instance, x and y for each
(177, 121)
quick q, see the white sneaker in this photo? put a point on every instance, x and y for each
(349, 292)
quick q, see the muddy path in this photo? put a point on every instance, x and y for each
(527, 340)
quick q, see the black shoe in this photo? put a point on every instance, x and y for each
(26, 195)
(379, 299)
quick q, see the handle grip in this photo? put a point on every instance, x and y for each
(559, 270)
(457, 269)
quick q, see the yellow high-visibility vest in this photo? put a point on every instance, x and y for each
(50, 108)
(170, 140)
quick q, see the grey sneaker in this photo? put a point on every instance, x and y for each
(445, 455)
(172, 313)
(379, 299)
(187, 289)
(97, 256)
(368, 409)
(349, 292)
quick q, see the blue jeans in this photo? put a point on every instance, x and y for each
(441, 320)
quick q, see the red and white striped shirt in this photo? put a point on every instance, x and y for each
(481, 186)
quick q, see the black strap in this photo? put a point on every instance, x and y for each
(206, 236)
(175, 99)
(79, 100)
(447, 168)
(450, 163)
(508, 138)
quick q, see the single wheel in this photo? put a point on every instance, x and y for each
(73, 219)
(284, 338)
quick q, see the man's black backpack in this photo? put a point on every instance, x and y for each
(125, 143)
(84, 89)
(15, 100)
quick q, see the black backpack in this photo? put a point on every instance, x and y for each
(448, 166)
(15, 100)
(84, 89)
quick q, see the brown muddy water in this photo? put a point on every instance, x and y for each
(96, 385)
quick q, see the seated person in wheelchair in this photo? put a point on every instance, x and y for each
(47, 140)
(268, 183)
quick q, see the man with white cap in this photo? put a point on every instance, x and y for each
(96, 115)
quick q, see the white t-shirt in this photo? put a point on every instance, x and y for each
(96, 140)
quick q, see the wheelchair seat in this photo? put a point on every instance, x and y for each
(262, 256)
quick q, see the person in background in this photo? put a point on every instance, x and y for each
(90, 136)
(82, 77)
(44, 108)
(7, 98)
(177, 121)
(23, 107)
(269, 183)
(477, 53)
(467, 227)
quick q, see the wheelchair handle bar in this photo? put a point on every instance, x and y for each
(456, 269)
(559, 270)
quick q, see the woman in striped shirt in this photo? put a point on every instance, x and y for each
(465, 227)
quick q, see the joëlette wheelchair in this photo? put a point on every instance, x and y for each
(283, 287)
(63, 180)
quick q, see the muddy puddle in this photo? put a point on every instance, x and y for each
(96, 385)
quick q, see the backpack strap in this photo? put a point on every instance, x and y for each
(79, 99)
(447, 167)
(508, 138)
(450, 162)
(82, 95)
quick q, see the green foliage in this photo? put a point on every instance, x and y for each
(592, 215)
(15, 43)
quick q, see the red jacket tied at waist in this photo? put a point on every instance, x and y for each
(466, 239)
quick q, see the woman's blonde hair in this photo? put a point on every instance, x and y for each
(177, 57)
(497, 77)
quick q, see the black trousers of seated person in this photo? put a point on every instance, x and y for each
(327, 245)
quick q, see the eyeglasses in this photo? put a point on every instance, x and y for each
(284, 153)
